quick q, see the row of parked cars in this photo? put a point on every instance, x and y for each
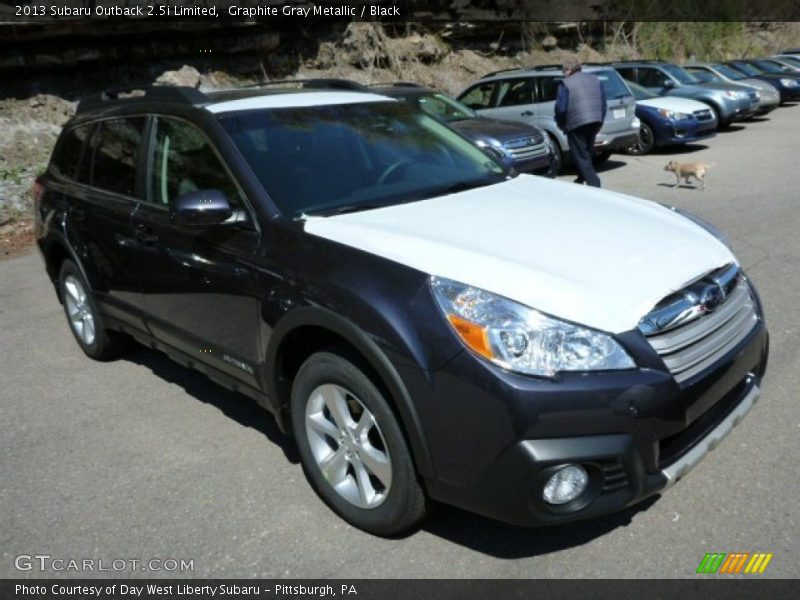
(650, 103)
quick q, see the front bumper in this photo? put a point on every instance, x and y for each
(636, 433)
(682, 131)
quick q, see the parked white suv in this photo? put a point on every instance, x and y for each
(529, 96)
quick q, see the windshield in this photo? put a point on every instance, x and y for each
(639, 92)
(746, 68)
(680, 74)
(792, 60)
(613, 86)
(440, 106)
(729, 72)
(769, 66)
(343, 158)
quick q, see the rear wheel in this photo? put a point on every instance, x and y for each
(352, 447)
(645, 143)
(84, 319)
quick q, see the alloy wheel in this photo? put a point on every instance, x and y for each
(81, 317)
(348, 446)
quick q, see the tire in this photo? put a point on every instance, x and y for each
(84, 319)
(721, 123)
(557, 162)
(646, 141)
(339, 417)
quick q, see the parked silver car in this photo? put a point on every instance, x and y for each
(529, 96)
(768, 96)
(728, 101)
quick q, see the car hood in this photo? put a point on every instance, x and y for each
(502, 131)
(684, 105)
(722, 87)
(590, 256)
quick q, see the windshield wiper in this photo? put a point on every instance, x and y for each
(340, 210)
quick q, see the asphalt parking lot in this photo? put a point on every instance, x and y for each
(141, 458)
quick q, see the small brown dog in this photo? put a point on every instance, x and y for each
(687, 171)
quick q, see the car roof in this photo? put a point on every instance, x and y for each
(538, 71)
(272, 94)
(293, 100)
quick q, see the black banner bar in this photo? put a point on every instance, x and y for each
(60, 11)
(705, 586)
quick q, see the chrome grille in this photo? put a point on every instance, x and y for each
(527, 147)
(704, 115)
(692, 329)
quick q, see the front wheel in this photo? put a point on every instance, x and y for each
(352, 447)
(645, 143)
(557, 158)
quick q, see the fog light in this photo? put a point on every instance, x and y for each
(565, 485)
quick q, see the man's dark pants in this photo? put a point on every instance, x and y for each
(581, 145)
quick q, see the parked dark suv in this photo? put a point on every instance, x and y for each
(427, 323)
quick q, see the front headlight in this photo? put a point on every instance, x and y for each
(521, 339)
(671, 114)
(494, 147)
(732, 94)
(789, 82)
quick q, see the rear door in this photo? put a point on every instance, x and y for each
(198, 282)
(515, 101)
(102, 198)
(546, 91)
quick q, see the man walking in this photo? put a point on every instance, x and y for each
(580, 110)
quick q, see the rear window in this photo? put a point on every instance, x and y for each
(67, 155)
(613, 86)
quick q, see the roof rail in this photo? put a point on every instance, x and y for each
(546, 68)
(396, 84)
(315, 84)
(643, 60)
(169, 93)
(493, 73)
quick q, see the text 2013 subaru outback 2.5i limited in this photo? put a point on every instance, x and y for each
(427, 324)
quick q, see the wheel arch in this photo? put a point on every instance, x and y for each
(55, 250)
(310, 329)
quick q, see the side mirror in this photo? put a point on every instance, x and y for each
(669, 84)
(199, 208)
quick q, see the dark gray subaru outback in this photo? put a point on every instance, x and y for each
(428, 324)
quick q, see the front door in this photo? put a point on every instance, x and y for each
(198, 282)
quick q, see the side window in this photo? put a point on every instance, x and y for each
(184, 161)
(514, 93)
(117, 154)
(547, 88)
(111, 154)
(65, 159)
(628, 73)
(479, 97)
(652, 78)
(702, 74)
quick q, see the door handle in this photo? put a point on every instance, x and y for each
(527, 113)
(145, 235)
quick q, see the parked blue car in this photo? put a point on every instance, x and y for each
(669, 120)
